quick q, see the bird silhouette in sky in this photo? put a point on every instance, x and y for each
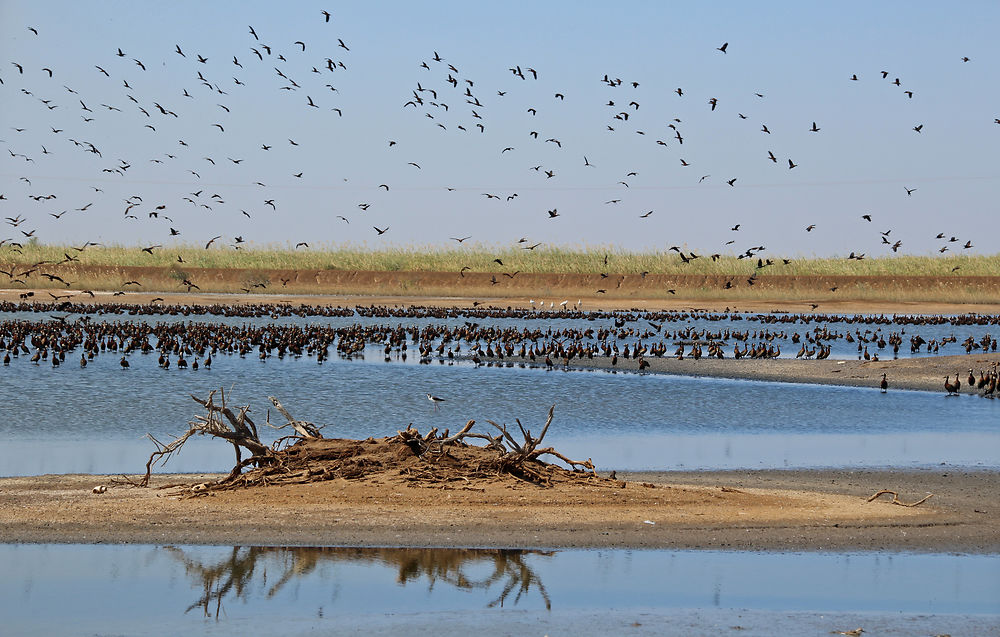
(455, 116)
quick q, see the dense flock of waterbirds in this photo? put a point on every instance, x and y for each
(633, 335)
(125, 93)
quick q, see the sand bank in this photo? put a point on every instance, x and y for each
(760, 510)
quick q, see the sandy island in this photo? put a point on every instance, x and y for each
(756, 510)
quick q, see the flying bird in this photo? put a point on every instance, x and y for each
(723, 47)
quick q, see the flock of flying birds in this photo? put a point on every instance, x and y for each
(82, 110)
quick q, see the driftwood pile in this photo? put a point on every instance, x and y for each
(434, 458)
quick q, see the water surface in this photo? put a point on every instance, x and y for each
(94, 420)
(147, 590)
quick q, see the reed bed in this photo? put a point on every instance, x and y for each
(503, 275)
(481, 258)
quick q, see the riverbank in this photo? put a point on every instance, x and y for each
(823, 510)
(549, 297)
(922, 374)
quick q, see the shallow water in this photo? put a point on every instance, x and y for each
(94, 420)
(148, 590)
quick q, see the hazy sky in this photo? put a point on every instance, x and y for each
(218, 116)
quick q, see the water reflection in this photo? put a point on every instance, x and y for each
(212, 590)
(485, 570)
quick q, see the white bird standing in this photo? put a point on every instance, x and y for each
(435, 400)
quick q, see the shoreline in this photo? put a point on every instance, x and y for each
(806, 305)
(913, 374)
(762, 510)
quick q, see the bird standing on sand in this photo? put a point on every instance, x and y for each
(884, 385)
(435, 400)
(952, 389)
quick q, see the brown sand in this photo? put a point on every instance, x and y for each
(763, 510)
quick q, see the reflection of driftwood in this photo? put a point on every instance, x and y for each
(896, 500)
(433, 458)
(237, 573)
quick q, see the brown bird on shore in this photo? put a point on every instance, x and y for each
(884, 385)
(952, 389)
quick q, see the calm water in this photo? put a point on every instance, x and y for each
(148, 590)
(94, 419)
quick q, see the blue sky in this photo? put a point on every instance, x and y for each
(799, 56)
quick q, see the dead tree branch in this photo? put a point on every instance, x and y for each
(236, 428)
(431, 458)
(304, 428)
(896, 500)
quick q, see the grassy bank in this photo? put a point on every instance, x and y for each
(478, 258)
(514, 274)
